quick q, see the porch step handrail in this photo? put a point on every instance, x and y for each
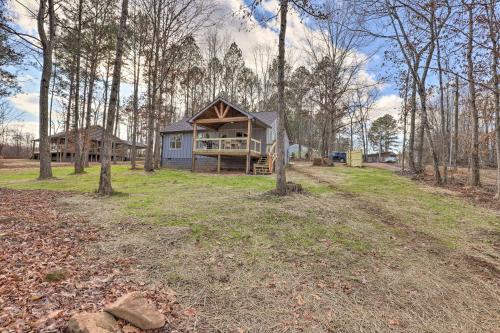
(272, 155)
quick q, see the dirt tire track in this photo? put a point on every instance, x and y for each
(384, 215)
(475, 263)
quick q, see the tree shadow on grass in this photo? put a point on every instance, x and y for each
(115, 194)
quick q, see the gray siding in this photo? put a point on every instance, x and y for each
(181, 158)
(186, 146)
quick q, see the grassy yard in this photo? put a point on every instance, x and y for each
(363, 250)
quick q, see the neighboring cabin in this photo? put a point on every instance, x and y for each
(60, 151)
(385, 157)
(222, 136)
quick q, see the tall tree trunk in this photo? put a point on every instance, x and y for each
(299, 129)
(133, 155)
(455, 123)
(474, 156)
(420, 143)
(105, 187)
(435, 159)
(411, 140)
(426, 127)
(90, 93)
(157, 150)
(52, 99)
(106, 88)
(149, 160)
(444, 132)
(90, 96)
(68, 112)
(405, 118)
(281, 187)
(351, 139)
(48, 47)
(77, 135)
(117, 113)
(493, 34)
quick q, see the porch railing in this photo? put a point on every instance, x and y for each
(227, 145)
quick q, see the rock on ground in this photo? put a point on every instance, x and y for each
(135, 309)
(100, 322)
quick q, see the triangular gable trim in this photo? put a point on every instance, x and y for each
(220, 99)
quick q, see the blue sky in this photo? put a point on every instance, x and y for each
(247, 38)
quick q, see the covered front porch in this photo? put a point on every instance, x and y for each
(222, 130)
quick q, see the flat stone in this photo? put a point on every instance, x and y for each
(136, 309)
(99, 322)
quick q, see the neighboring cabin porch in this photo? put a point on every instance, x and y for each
(62, 151)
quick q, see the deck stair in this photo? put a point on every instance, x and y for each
(261, 167)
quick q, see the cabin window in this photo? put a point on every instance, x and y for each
(176, 141)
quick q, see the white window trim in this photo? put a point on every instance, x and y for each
(172, 141)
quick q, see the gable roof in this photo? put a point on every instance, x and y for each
(184, 125)
(219, 99)
(265, 119)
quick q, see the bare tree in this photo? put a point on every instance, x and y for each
(494, 35)
(7, 116)
(281, 187)
(138, 37)
(46, 8)
(78, 163)
(105, 187)
(413, 49)
(475, 178)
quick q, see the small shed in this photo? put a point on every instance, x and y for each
(355, 158)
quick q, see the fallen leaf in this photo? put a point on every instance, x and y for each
(393, 322)
(317, 297)
(189, 312)
(300, 301)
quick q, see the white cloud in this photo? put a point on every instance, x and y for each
(389, 104)
(24, 17)
(26, 126)
(26, 103)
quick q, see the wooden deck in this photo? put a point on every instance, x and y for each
(227, 147)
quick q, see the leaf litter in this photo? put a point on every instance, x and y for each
(45, 276)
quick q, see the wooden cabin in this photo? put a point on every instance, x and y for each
(223, 136)
(60, 151)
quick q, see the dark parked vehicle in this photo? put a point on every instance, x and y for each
(338, 156)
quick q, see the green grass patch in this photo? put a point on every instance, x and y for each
(439, 214)
(55, 276)
(234, 210)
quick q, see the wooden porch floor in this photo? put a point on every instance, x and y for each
(233, 152)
